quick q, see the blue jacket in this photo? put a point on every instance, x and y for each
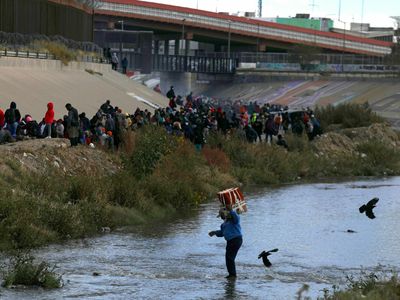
(230, 229)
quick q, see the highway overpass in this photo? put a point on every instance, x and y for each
(173, 23)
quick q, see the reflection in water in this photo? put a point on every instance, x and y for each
(230, 292)
(178, 260)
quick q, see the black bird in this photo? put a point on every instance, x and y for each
(367, 208)
(265, 255)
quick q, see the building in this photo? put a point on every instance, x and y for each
(366, 31)
(304, 21)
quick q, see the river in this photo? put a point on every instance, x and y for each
(308, 223)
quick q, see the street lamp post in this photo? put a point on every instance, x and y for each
(344, 43)
(183, 37)
(92, 21)
(229, 39)
(344, 32)
(258, 42)
(121, 45)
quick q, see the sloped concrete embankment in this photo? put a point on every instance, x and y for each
(32, 83)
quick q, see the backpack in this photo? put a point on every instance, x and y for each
(33, 129)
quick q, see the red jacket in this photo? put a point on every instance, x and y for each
(49, 117)
(1, 118)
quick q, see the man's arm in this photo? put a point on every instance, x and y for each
(217, 233)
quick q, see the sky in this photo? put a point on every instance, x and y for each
(375, 12)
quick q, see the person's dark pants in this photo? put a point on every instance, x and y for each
(47, 131)
(232, 248)
(74, 141)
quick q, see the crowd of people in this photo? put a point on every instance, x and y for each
(196, 117)
(193, 118)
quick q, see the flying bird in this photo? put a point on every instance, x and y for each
(367, 208)
(264, 255)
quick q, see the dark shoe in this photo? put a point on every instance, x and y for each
(231, 276)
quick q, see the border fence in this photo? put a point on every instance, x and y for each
(47, 17)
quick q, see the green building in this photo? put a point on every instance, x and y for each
(322, 24)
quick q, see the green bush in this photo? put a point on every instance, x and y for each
(43, 209)
(180, 179)
(379, 158)
(368, 286)
(348, 115)
(152, 144)
(24, 271)
(126, 191)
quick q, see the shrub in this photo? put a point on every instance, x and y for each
(179, 178)
(128, 142)
(237, 150)
(216, 158)
(125, 190)
(51, 208)
(20, 226)
(60, 52)
(23, 271)
(379, 158)
(369, 286)
(152, 144)
(349, 115)
(298, 143)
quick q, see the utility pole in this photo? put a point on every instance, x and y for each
(259, 8)
(229, 39)
(121, 43)
(313, 5)
(183, 37)
(344, 33)
(362, 13)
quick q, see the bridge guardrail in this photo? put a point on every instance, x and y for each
(26, 54)
(326, 58)
(46, 55)
(193, 64)
(321, 68)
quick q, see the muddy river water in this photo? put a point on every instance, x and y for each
(308, 223)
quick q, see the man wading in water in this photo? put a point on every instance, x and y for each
(232, 233)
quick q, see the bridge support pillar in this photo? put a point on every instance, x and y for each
(166, 47)
(183, 82)
(156, 47)
(187, 46)
(177, 47)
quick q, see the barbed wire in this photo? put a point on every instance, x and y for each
(18, 40)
